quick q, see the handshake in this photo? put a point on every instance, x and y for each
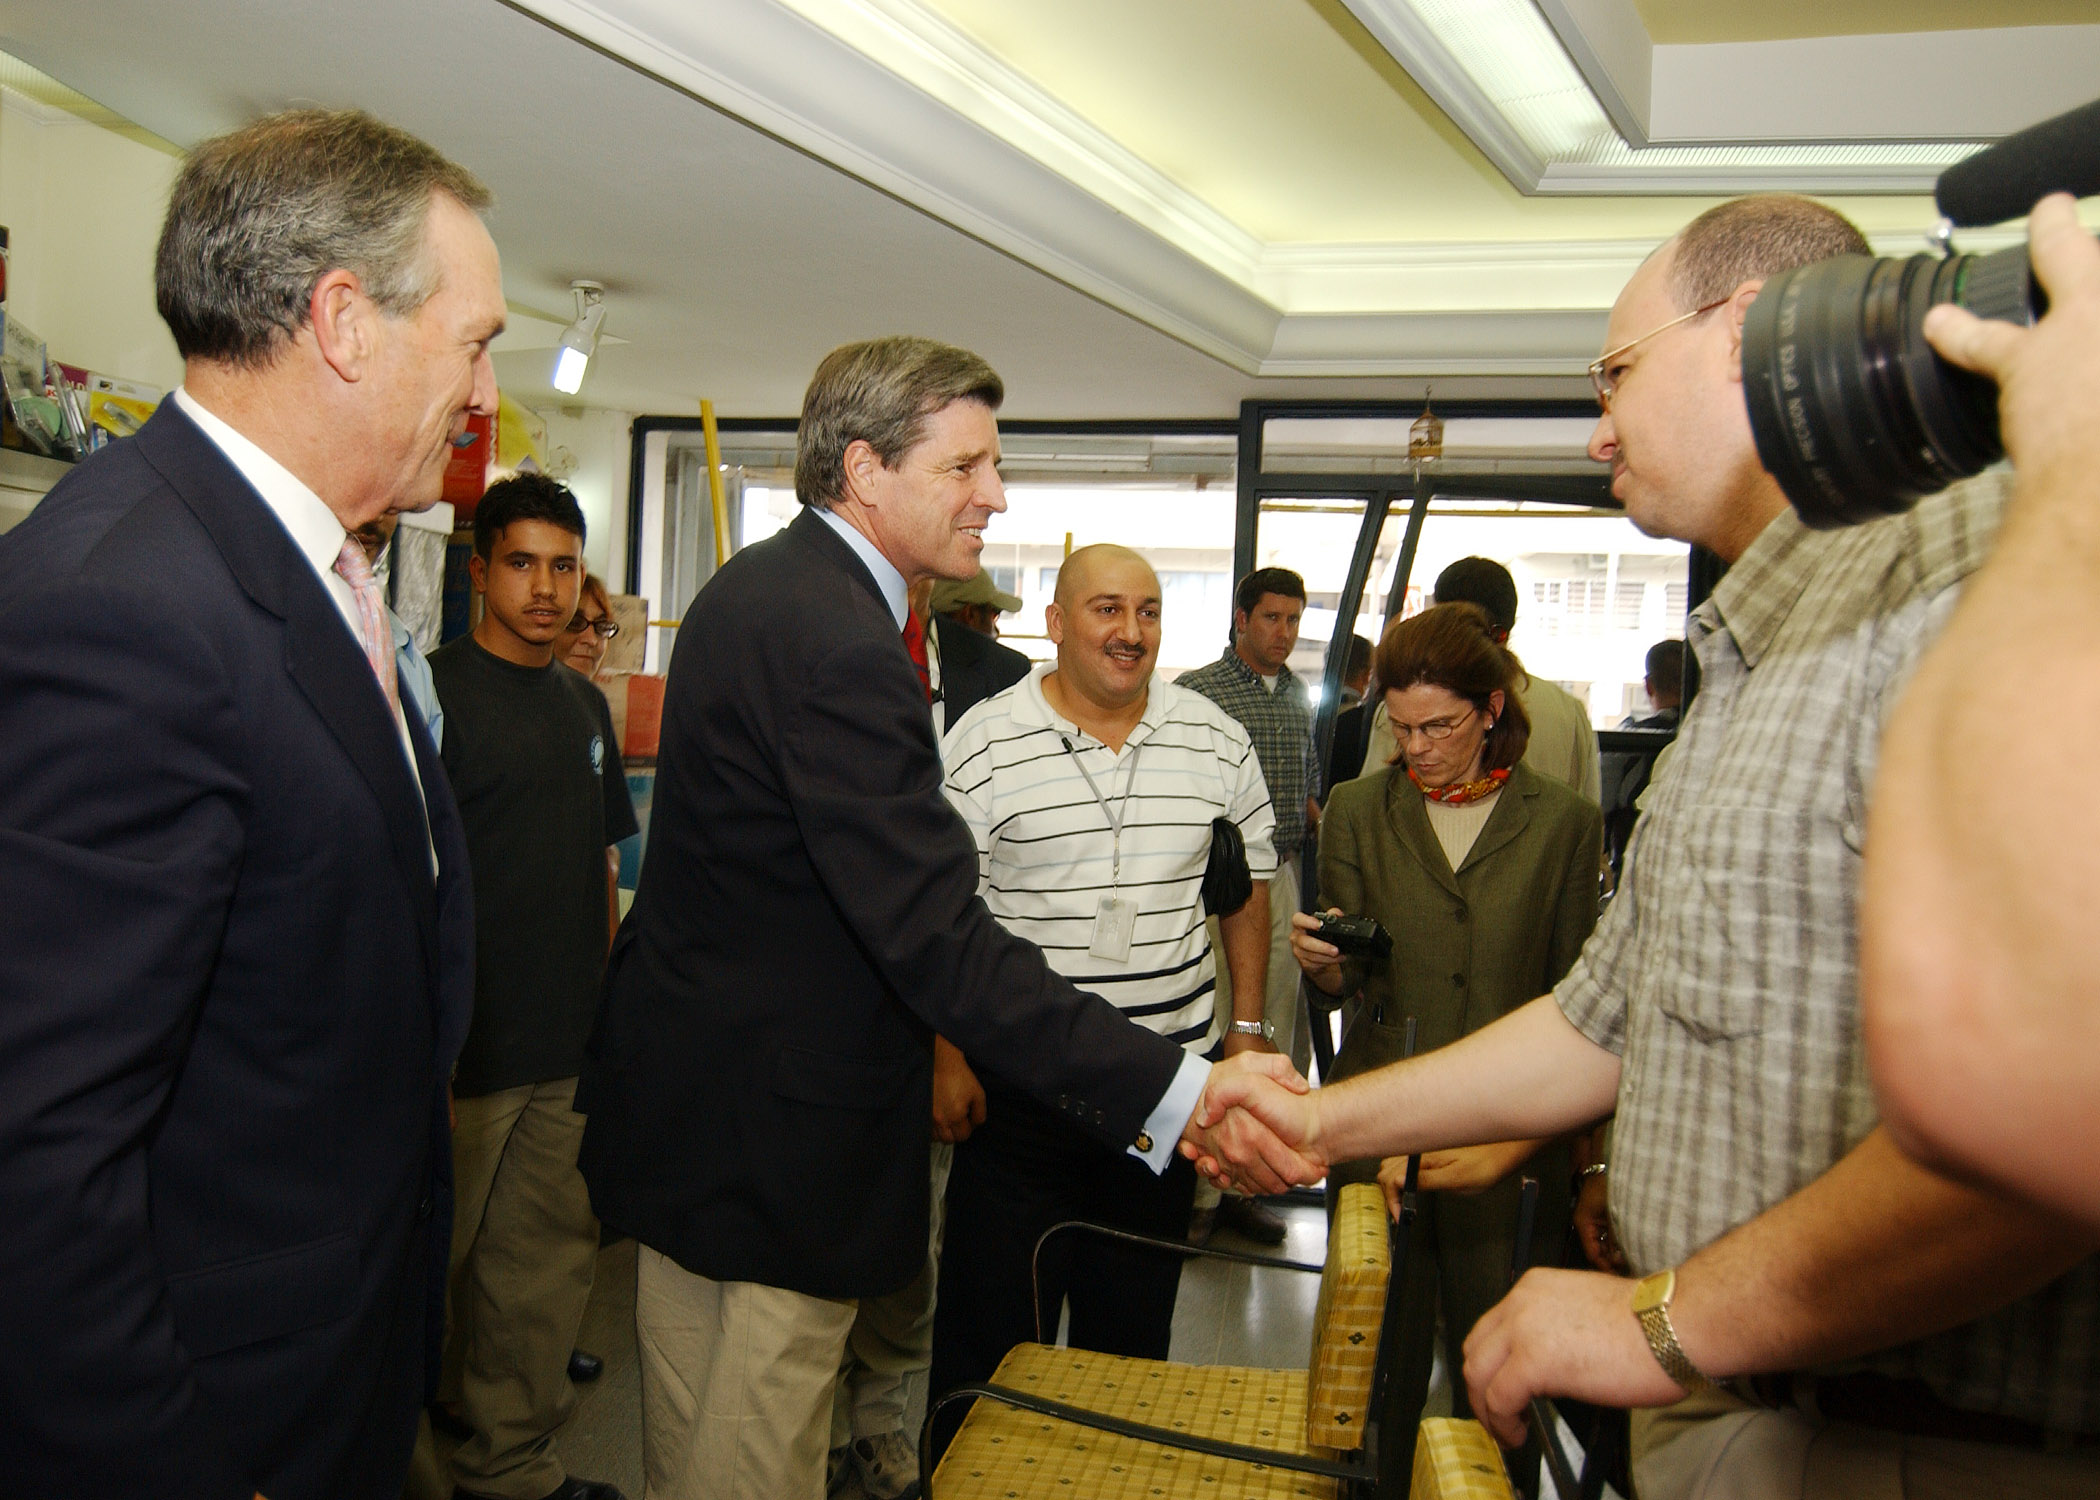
(1256, 1126)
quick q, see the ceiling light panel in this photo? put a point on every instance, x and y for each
(1497, 68)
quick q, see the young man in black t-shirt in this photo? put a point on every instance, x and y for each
(530, 751)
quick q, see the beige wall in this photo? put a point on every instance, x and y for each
(598, 441)
(83, 207)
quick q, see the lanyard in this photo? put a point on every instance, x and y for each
(1115, 819)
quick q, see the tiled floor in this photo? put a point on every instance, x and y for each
(1226, 1314)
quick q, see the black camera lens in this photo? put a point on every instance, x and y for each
(1853, 412)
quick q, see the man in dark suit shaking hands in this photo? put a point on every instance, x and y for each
(807, 916)
(235, 925)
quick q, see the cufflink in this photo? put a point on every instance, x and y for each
(1144, 1141)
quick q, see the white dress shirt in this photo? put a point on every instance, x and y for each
(315, 532)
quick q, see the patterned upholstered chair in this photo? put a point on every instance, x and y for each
(1077, 1425)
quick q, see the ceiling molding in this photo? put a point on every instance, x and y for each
(901, 99)
(1925, 86)
(1533, 342)
(898, 97)
(1918, 86)
(1490, 276)
(1585, 87)
(764, 63)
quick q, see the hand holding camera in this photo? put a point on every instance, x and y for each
(2049, 375)
(1320, 940)
(1855, 411)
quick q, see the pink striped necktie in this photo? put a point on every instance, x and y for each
(378, 633)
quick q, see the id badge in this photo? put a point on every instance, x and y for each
(1115, 919)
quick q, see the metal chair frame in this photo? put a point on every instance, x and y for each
(1358, 1474)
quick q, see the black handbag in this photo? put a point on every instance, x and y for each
(1227, 882)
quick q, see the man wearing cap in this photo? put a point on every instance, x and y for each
(965, 661)
(975, 603)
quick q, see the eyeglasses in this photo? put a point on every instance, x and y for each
(1603, 362)
(604, 626)
(1435, 729)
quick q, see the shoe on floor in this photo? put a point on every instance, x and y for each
(1248, 1217)
(1203, 1223)
(889, 1466)
(572, 1488)
(584, 1368)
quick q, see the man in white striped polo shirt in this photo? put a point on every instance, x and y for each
(1090, 786)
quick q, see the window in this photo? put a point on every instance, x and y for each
(1168, 496)
(1593, 593)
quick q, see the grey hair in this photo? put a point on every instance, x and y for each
(257, 217)
(1753, 239)
(880, 392)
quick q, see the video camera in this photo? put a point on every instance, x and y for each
(1853, 412)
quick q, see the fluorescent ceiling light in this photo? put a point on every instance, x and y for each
(579, 341)
(1499, 70)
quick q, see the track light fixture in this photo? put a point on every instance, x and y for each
(579, 341)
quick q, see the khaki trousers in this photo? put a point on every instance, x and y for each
(737, 1383)
(524, 1246)
(1710, 1446)
(892, 1338)
(1280, 1003)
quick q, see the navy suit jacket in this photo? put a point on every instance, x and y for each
(230, 996)
(760, 1087)
(973, 667)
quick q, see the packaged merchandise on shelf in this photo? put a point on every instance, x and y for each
(34, 420)
(118, 408)
(69, 385)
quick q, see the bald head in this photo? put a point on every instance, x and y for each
(1085, 570)
(1105, 621)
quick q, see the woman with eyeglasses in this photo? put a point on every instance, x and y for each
(1485, 875)
(583, 640)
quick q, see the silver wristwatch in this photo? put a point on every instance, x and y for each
(1263, 1029)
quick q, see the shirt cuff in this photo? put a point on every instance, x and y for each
(1163, 1129)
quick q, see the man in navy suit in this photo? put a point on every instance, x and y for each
(759, 1089)
(236, 933)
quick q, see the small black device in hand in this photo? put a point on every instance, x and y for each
(1358, 937)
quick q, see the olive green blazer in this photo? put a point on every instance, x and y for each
(1470, 945)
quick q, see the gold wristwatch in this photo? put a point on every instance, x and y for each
(1651, 1304)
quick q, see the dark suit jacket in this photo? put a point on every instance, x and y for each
(761, 1084)
(230, 995)
(973, 667)
(1352, 741)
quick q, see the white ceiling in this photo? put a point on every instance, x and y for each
(754, 188)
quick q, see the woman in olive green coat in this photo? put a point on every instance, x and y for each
(1486, 876)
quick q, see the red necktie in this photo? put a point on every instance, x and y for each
(915, 643)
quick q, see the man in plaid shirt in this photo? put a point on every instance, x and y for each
(1818, 1317)
(1252, 684)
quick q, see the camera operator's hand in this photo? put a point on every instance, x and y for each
(1977, 943)
(2049, 375)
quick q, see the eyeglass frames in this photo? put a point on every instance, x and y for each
(1435, 729)
(1603, 362)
